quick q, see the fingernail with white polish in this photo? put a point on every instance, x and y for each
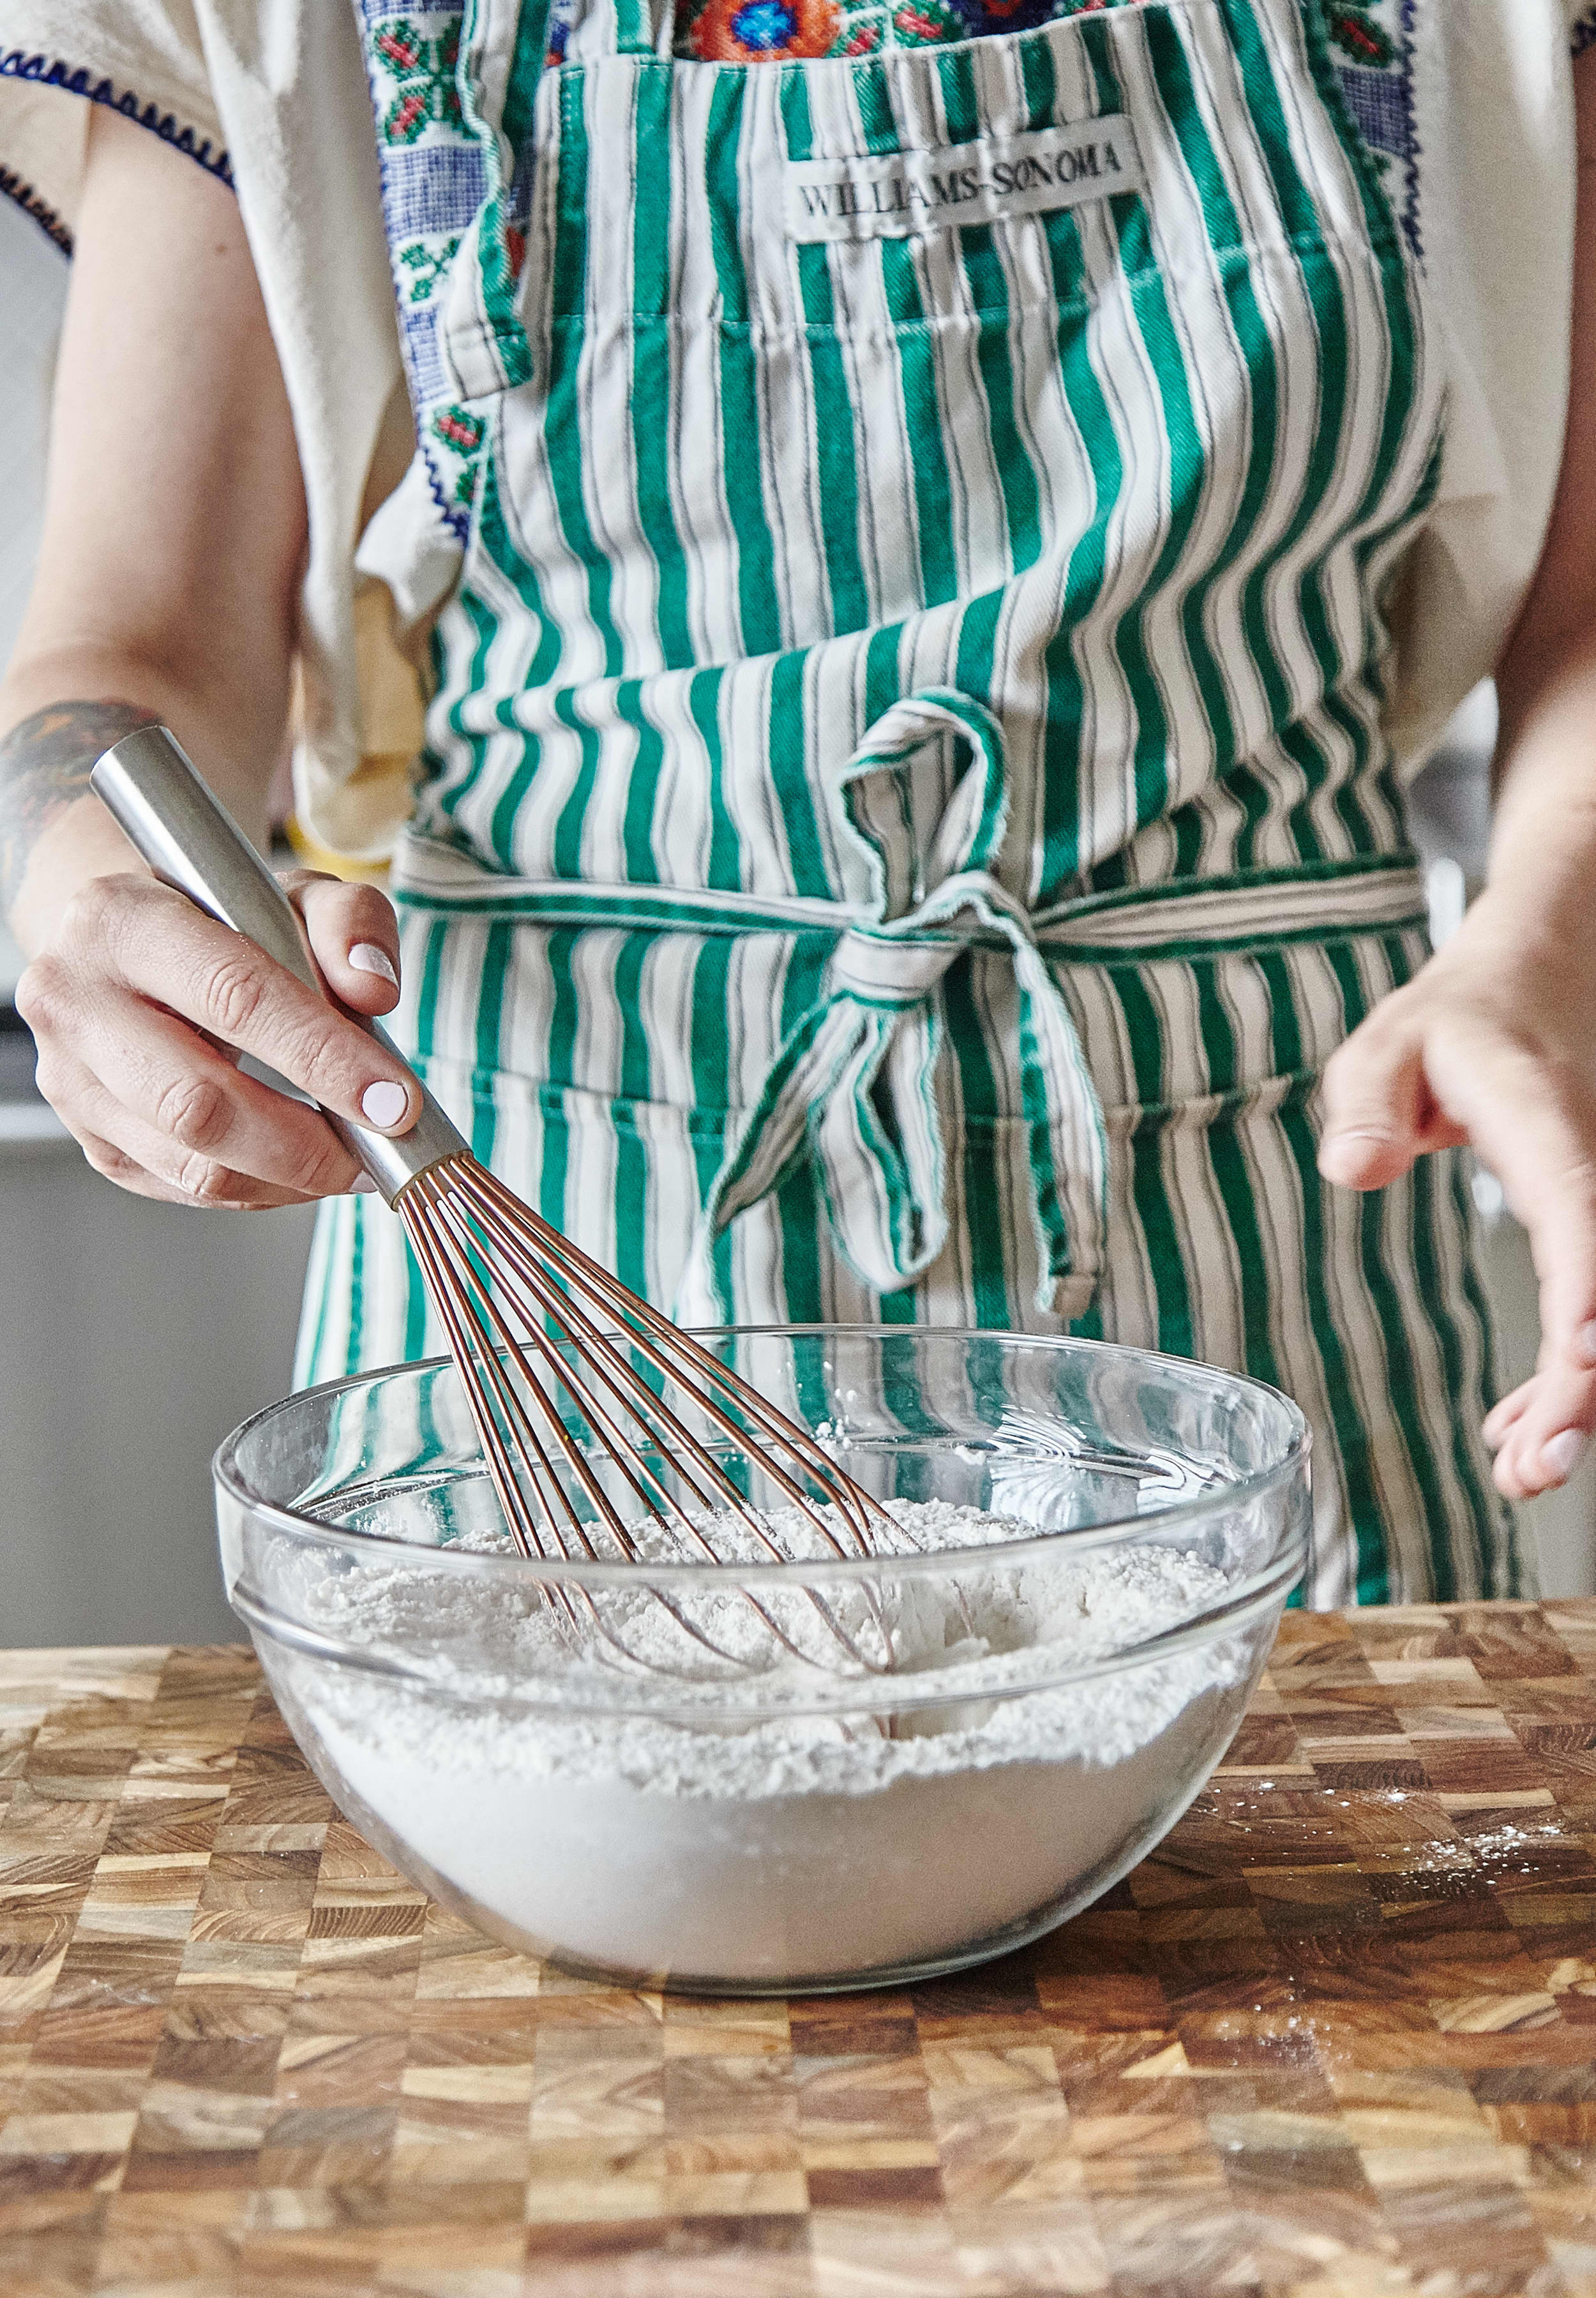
(1561, 1455)
(384, 1104)
(367, 958)
(1346, 1153)
(362, 1186)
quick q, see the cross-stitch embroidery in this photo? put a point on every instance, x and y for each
(424, 263)
(1373, 53)
(434, 179)
(459, 433)
(1360, 36)
(425, 69)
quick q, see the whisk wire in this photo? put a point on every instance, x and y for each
(704, 1477)
(486, 1295)
(468, 1361)
(669, 1346)
(487, 1382)
(476, 1334)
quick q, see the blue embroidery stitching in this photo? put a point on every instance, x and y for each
(77, 79)
(14, 186)
(1381, 98)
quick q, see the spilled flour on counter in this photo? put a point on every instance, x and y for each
(795, 1844)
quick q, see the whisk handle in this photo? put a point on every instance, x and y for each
(193, 844)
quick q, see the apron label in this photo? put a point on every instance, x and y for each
(965, 183)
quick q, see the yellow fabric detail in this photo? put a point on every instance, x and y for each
(354, 825)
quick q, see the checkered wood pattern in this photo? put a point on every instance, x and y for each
(1334, 2039)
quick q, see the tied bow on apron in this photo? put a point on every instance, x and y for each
(855, 1084)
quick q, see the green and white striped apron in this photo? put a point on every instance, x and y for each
(905, 816)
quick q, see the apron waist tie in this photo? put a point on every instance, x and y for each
(854, 1089)
(854, 1086)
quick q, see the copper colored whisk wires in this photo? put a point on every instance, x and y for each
(530, 1320)
(484, 1253)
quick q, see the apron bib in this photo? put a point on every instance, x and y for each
(906, 817)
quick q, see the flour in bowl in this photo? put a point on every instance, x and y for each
(799, 1843)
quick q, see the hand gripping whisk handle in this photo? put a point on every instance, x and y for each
(193, 844)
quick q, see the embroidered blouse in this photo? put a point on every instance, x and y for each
(1466, 105)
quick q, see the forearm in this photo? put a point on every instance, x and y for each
(58, 710)
(1543, 836)
(174, 529)
(1543, 844)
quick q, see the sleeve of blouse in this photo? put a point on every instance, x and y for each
(273, 93)
(143, 58)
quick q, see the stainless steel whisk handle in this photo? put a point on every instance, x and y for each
(193, 844)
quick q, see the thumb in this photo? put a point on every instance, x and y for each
(1379, 1113)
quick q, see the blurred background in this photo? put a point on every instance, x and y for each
(135, 1336)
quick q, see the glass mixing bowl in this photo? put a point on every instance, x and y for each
(747, 1776)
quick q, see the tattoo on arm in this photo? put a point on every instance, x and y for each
(45, 766)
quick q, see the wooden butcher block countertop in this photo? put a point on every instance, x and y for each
(1334, 2039)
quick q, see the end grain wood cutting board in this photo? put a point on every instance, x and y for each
(1334, 2039)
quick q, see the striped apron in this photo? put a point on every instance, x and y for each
(904, 817)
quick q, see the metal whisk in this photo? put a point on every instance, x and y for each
(530, 1320)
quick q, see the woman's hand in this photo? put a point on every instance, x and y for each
(1495, 1045)
(140, 1004)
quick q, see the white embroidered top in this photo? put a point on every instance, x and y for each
(1471, 111)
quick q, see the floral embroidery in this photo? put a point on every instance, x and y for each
(759, 31)
(1584, 32)
(909, 24)
(925, 21)
(750, 31)
(434, 180)
(425, 69)
(423, 262)
(1358, 34)
(459, 433)
(464, 433)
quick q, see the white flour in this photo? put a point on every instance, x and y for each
(801, 1845)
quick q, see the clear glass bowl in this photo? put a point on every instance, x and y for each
(761, 1777)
